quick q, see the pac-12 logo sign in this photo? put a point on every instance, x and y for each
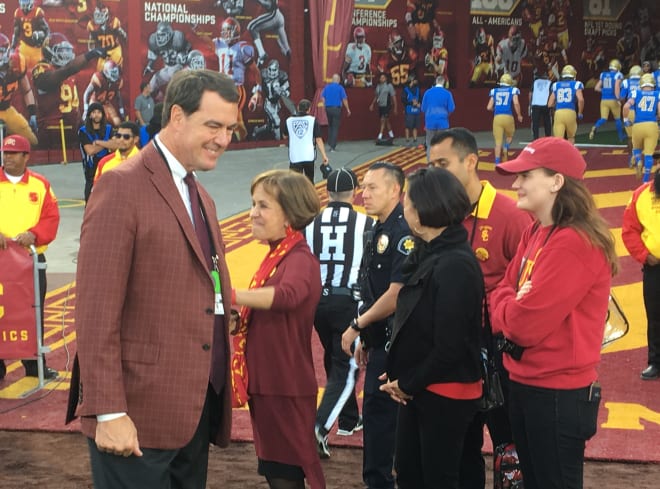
(300, 128)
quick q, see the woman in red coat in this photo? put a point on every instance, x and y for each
(272, 363)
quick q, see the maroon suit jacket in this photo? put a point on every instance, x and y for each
(144, 308)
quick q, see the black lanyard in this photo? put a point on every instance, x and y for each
(476, 216)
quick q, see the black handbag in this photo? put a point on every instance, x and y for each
(492, 395)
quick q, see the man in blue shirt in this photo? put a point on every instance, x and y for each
(437, 105)
(334, 96)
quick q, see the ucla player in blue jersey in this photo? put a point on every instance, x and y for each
(565, 95)
(656, 73)
(503, 101)
(629, 87)
(646, 105)
(609, 87)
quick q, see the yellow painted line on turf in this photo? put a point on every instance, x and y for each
(620, 248)
(612, 199)
(630, 298)
(68, 203)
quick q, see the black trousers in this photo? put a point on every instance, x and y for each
(541, 114)
(379, 413)
(182, 468)
(473, 465)
(89, 179)
(334, 116)
(550, 427)
(333, 315)
(651, 291)
(306, 168)
(429, 441)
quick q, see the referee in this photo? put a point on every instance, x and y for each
(336, 238)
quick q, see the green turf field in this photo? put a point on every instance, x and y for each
(608, 137)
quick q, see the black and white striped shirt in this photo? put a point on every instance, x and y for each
(336, 238)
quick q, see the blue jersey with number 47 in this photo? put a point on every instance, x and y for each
(503, 98)
(646, 106)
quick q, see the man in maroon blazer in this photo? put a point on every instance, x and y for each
(151, 381)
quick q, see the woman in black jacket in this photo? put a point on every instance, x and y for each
(433, 362)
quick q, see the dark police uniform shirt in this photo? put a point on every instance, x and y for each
(384, 256)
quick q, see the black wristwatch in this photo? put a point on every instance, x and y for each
(354, 325)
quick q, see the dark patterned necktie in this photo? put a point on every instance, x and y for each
(201, 229)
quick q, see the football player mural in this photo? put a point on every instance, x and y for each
(13, 79)
(105, 88)
(483, 67)
(357, 61)
(271, 20)
(57, 89)
(171, 47)
(236, 58)
(399, 61)
(105, 32)
(274, 85)
(30, 31)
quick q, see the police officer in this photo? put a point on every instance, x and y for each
(381, 278)
(336, 238)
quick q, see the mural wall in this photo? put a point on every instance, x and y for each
(58, 56)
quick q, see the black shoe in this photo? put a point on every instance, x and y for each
(321, 443)
(649, 373)
(49, 373)
(3, 369)
(358, 427)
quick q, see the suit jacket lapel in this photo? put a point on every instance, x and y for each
(162, 180)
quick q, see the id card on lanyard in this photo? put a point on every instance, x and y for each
(215, 274)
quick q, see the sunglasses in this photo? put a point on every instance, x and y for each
(125, 136)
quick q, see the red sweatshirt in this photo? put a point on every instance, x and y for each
(560, 321)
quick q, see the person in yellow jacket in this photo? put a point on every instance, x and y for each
(128, 136)
(641, 235)
(28, 215)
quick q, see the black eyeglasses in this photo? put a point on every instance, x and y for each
(125, 136)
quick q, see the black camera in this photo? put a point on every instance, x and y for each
(505, 345)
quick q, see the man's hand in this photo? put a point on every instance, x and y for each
(361, 356)
(651, 260)
(118, 437)
(347, 340)
(25, 239)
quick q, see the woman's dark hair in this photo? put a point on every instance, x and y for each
(575, 207)
(438, 196)
(656, 184)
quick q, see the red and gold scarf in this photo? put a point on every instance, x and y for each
(239, 373)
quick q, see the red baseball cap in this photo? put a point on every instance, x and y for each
(552, 153)
(15, 144)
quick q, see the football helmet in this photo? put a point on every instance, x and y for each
(164, 33)
(438, 39)
(26, 5)
(230, 30)
(635, 72)
(359, 35)
(515, 38)
(569, 71)
(273, 69)
(101, 14)
(57, 50)
(507, 80)
(4, 50)
(615, 65)
(111, 70)
(396, 43)
(647, 80)
(481, 36)
(195, 60)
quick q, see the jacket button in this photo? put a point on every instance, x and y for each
(206, 347)
(209, 311)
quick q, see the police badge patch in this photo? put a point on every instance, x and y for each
(406, 245)
(381, 243)
(300, 128)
